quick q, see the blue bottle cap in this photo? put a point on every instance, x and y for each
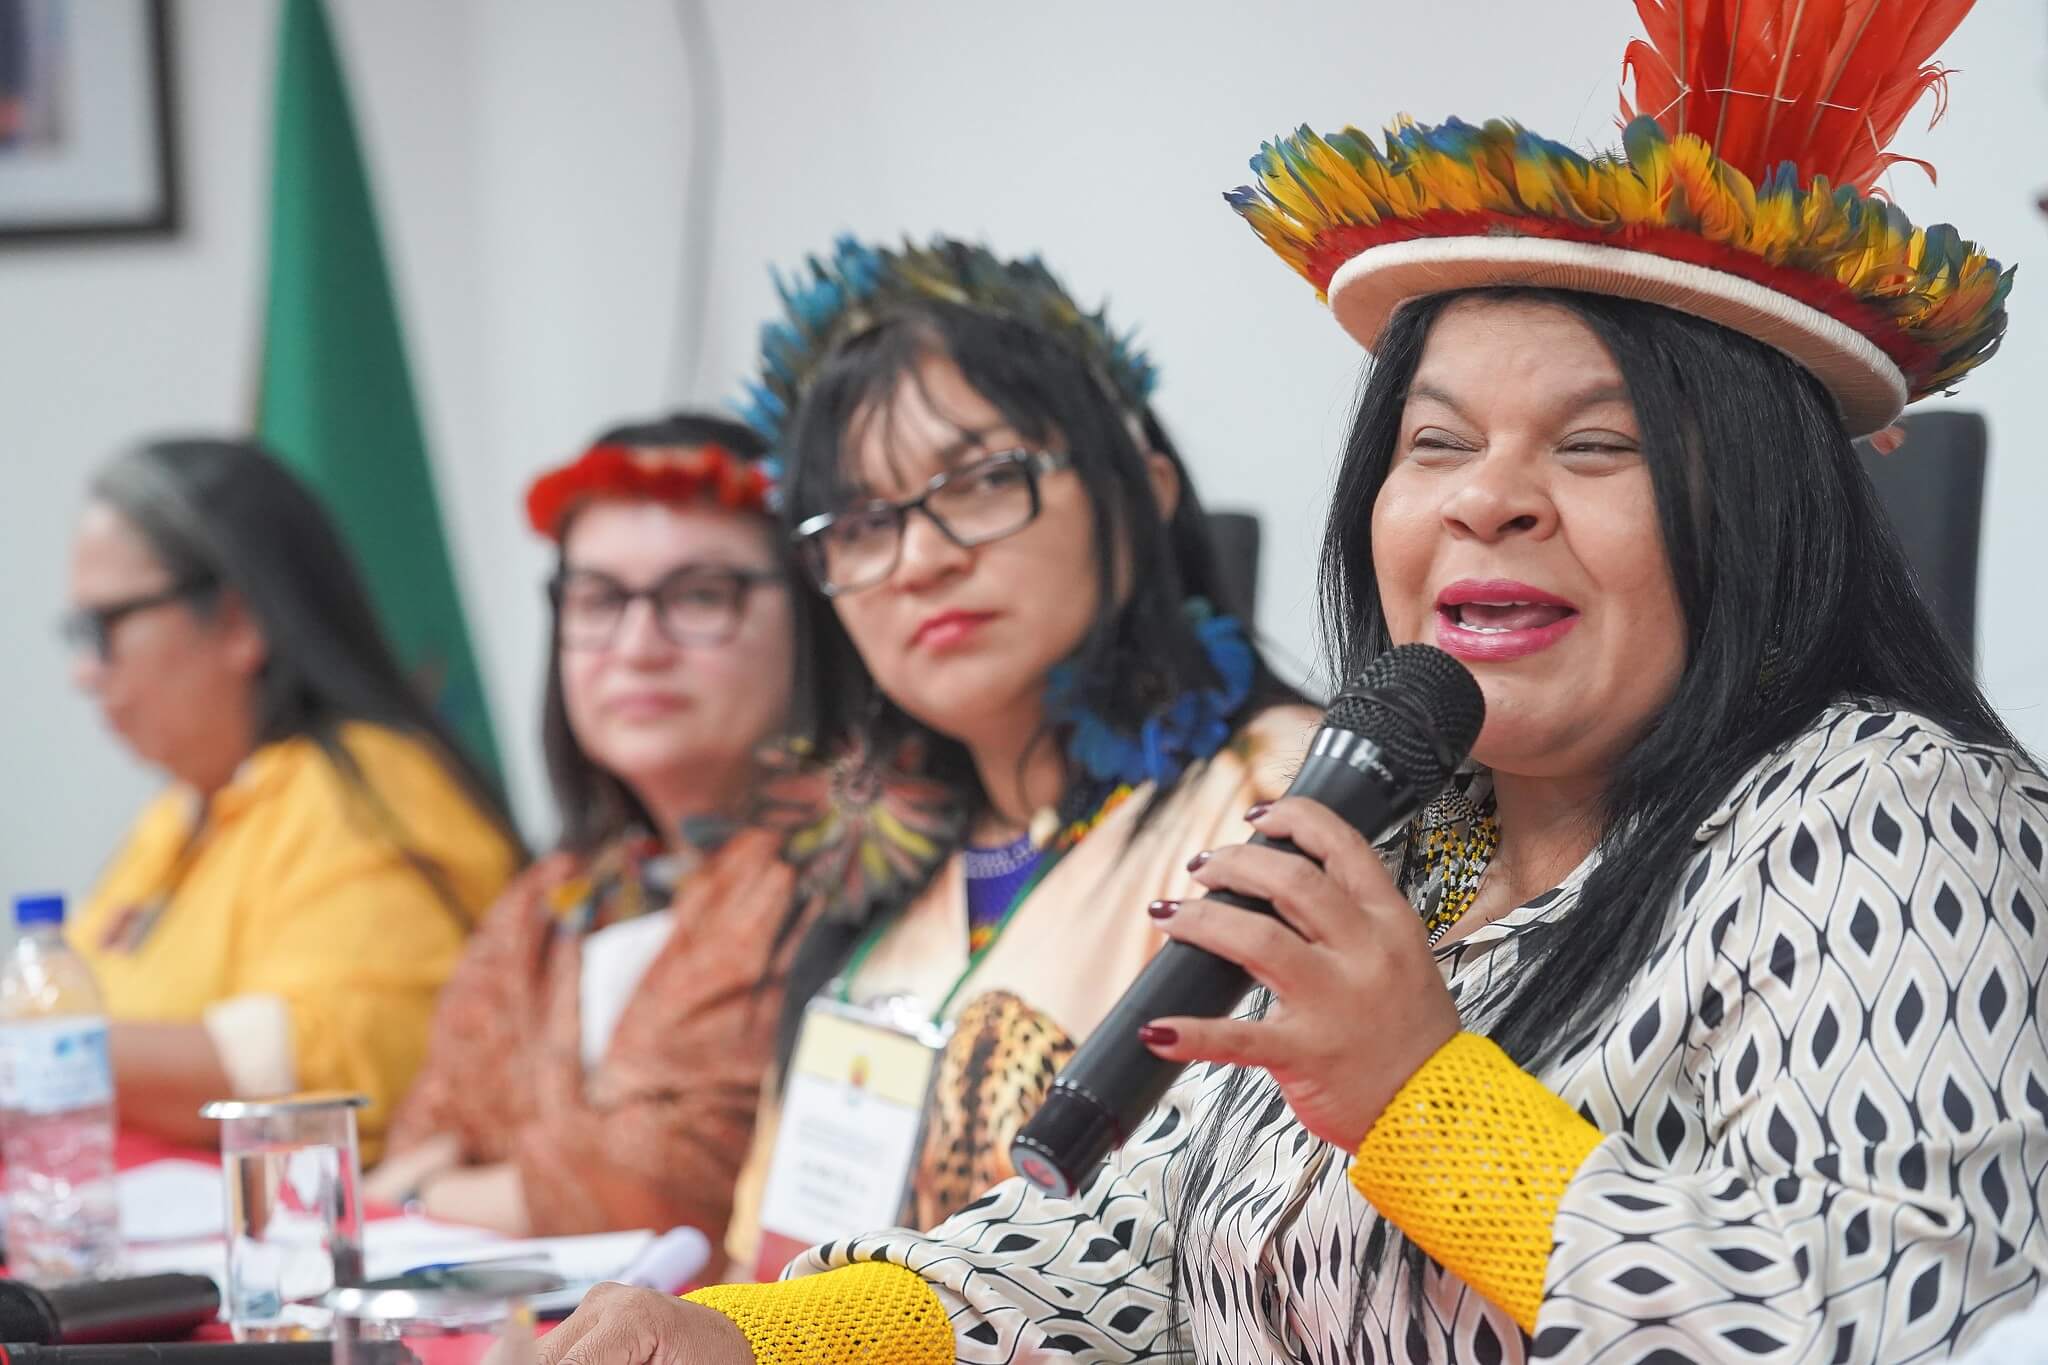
(38, 908)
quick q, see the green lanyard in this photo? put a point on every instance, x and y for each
(1066, 842)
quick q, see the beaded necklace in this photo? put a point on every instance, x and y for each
(1458, 841)
(994, 875)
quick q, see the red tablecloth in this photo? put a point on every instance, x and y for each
(139, 1149)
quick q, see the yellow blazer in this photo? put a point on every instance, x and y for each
(290, 892)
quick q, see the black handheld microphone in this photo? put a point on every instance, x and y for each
(1387, 745)
(139, 1308)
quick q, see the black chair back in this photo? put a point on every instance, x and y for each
(1235, 536)
(1933, 487)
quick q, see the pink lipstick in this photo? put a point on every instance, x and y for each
(1495, 620)
(949, 629)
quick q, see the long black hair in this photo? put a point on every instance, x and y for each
(1795, 594)
(227, 516)
(592, 804)
(1139, 653)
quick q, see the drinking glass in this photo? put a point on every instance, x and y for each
(294, 1226)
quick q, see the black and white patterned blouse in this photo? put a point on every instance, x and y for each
(1825, 1104)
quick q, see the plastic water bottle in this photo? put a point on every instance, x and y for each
(56, 1107)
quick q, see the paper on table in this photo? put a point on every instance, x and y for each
(392, 1246)
(208, 1258)
(583, 1262)
(397, 1245)
(591, 1258)
(170, 1201)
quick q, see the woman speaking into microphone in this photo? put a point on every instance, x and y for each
(1698, 1018)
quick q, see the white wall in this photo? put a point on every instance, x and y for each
(532, 162)
(96, 345)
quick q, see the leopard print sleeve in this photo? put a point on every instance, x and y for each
(995, 1071)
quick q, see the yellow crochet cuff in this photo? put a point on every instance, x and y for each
(873, 1313)
(1470, 1160)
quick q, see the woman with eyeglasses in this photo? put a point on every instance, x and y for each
(283, 917)
(597, 1060)
(1020, 659)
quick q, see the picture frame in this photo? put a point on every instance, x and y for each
(88, 134)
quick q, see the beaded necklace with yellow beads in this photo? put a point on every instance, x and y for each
(1456, 841)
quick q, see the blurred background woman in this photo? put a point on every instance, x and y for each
(597, 1060)
(283, 917)
(1018, 652)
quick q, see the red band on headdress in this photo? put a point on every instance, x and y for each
(1915, 359)
(670, 474)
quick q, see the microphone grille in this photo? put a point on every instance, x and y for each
(1418, 704)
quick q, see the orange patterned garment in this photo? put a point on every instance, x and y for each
(654, 1134)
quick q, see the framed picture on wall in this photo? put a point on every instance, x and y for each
(86, 135)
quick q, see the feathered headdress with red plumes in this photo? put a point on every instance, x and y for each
(1744, 192)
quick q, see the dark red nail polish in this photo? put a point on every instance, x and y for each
(1195, 863)
(1163, 909)
(1258, 812)
(1158, 1035)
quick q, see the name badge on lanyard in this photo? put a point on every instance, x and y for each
(853, 1111)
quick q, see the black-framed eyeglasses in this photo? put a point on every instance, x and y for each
(91, 629)
(698, 604)
(859, 546)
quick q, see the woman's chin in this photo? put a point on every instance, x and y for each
(654, 760)
(963, 698)
(1523, 745)
(956, 717)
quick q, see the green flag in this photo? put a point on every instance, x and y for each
(337, 401)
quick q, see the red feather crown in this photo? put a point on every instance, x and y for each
(1744, 193)
(671, 474)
